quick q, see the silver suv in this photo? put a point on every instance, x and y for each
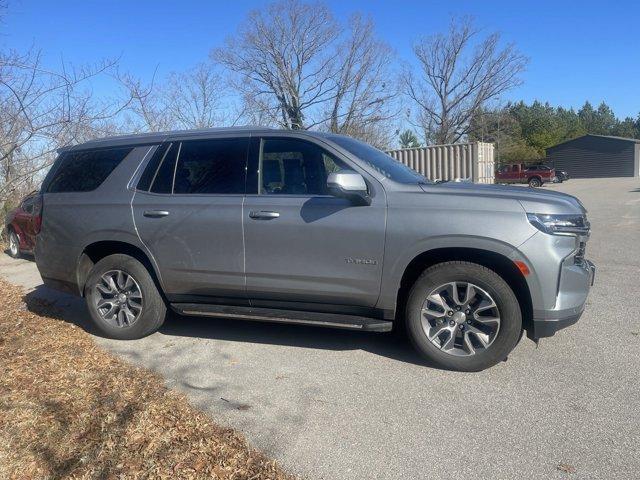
(310, 228)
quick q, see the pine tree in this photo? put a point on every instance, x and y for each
(408, 139)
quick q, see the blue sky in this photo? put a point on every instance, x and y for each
(578, 50)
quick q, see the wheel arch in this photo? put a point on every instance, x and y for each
(98, 250)
(10, 227)
(495, 261)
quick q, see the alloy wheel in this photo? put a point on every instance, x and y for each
(460, 318)
(118, 298)
(14, 246)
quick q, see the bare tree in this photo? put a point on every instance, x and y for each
(147, 110)
(195, 98)
(364, 91)
(296, 67)
(459, 74)
(283, 60)
(42, 110)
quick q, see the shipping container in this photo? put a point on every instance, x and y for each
(466, 161)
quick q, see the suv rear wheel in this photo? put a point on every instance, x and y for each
(535, 182)
(123, 299)
(463, 316)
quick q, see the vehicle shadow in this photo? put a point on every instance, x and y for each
(391, 345)
(71, 309)
(67, 308)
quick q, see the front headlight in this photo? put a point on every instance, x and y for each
(560, 224)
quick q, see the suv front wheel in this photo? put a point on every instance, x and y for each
(14, 244)
(463, 316)
(123, 299)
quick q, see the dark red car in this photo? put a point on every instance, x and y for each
(534, 175)
(23, 224)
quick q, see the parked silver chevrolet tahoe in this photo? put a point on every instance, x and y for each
(312, 228)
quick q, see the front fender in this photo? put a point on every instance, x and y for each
(392, 275)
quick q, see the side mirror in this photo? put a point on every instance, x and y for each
(349, 184)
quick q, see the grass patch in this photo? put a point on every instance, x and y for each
(71, 409)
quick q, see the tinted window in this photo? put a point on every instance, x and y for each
(162, 181)
(85, 171)
(379, 160)
(296, 167)
(212, 166)
(27, 204)
(152, 167)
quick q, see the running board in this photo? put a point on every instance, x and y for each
(319, 319)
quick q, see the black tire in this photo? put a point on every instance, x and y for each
(153, 312)
(511, 317)
(535, 182)
(14, 244)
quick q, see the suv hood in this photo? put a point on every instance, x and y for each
(532, 200)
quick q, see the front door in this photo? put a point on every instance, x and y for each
(188, 213)
(301, 243)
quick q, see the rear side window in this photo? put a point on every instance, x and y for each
(152, 167)
(27, 204)
(85, 171)
(158, 176)
(212, 166)
(163, 179)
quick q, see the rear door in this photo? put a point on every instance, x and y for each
(515, 174)
(303, 245)
(188, 213)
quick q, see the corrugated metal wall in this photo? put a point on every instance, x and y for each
(595, 157)
(447, 162)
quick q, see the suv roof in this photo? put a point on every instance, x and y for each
(157, 137)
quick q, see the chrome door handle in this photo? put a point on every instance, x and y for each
(155, 213)
(263, 215)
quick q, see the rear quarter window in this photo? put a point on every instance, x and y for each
(158, 175)
(84, 171)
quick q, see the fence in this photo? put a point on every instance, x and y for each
(472, 161)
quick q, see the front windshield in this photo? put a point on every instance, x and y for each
(380, 161)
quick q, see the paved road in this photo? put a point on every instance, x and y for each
(335, 404)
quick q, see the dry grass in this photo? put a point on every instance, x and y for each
(71, 410)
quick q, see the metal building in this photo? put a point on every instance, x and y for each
(473, 161)
(594, 156)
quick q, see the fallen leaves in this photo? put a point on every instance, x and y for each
(71, 409)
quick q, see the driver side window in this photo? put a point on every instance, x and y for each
(295, 167)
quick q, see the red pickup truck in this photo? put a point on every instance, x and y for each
(534, 175)
(22, 225)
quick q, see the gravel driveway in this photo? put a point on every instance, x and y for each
(352, 405)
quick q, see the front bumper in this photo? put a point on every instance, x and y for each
(575, 282)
